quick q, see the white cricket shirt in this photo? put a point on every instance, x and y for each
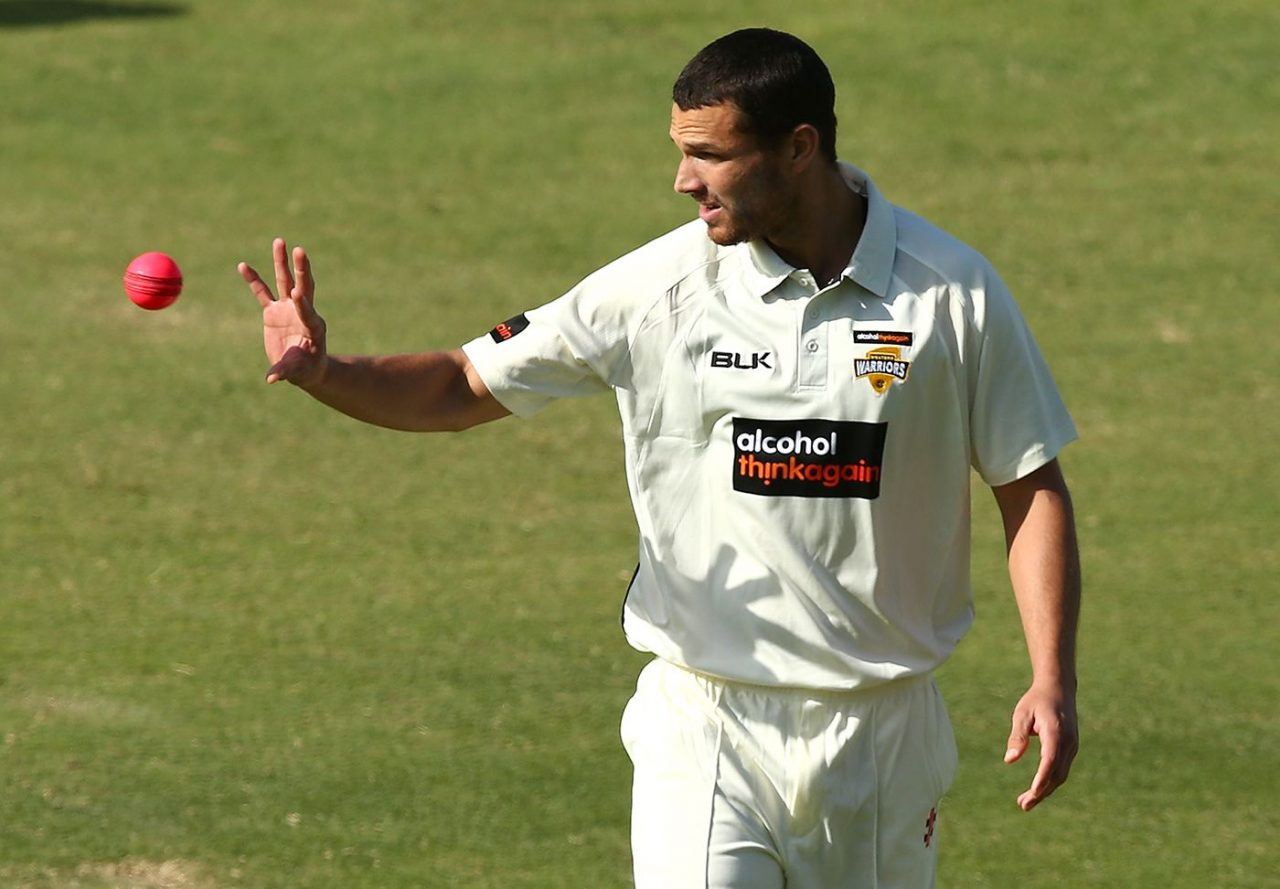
(798, 457)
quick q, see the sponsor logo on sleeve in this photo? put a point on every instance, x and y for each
(882, 367)
(509, 328)
(808, 458)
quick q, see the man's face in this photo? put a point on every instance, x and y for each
(741, 187)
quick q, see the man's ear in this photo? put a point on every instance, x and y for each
(804, 146)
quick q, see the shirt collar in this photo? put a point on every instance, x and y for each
(872, 261)
(871, 265)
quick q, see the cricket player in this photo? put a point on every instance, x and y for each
(807, 375)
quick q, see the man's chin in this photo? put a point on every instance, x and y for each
(726, 236)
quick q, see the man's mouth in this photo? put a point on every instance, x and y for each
(709, 212)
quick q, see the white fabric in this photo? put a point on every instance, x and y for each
(741, 787)
(798, 457)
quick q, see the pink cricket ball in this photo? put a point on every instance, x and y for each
(153, 281)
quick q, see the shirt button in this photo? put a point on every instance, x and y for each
(812, 345)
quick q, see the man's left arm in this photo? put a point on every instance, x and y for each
(1044, 567)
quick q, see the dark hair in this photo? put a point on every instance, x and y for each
(775, 79)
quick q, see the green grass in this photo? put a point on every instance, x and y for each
(248, 643)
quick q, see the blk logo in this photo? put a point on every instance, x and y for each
(739, 361)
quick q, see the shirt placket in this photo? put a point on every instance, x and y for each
(814, 352)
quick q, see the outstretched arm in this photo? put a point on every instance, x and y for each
(425, 392)
(1044, 567)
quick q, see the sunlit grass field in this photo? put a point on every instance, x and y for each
(245, 642)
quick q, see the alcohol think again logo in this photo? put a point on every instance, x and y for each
(808, 458)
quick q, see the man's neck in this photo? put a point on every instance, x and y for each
(828, 224)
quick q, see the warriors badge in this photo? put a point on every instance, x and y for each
(881, 367)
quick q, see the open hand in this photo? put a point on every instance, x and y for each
(292, 333)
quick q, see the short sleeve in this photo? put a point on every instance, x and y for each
(1018, 421)
(575, 345)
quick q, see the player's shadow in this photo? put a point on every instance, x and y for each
(35, 13)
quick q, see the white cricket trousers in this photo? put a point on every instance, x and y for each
(747, 787)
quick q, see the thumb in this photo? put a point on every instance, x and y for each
(1019, 738)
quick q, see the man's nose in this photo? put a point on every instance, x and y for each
(687, 181)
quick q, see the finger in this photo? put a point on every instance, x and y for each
(256, 284)
(285, 368)
(278, 373)
(1064, 756)
(304, 293)
(1062, 768)
(1031, 798)
(306, 286)
(280, 370)
(284, 278)
(1042, 784)
(1019, 739)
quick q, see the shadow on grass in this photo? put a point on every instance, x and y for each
(34, 13)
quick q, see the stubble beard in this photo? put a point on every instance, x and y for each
(760, 212)
(727, 236)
